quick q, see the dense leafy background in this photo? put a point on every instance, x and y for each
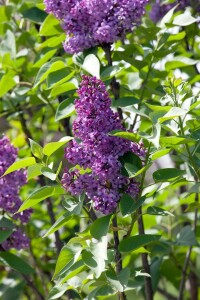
(158, 71)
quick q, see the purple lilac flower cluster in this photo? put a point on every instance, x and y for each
(96, 150)
(88, 23)
(159, 9)
(9, 195)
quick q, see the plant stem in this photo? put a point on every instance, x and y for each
(33, 287)
(58, 242)
(166, 294)
(145, 264)
(142, 92)
(187, 258)
(118, 257)
(115, 86)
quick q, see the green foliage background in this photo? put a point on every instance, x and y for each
(158, 71)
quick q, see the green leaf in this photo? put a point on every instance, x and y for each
(50, 148)
(37, 196)
(160, 153)
(186, 237)
(128, 205)
(57, 291)
(62, 220)
(126, 135)
(158, 107)
(88, 259)
(180, 61)
(34, 14)
(50, 26)
(20, 164)
(184, 19)
(64, 110)
(195, 189)
(62, 89)
(59, 77)
(6, 223)
(134, 242)
(167, 174)
(118, 281)
(6, 84)
(113, 280)
(75, 269)
(44, 58)
(174, 112)
(125, 101)
(16, 263)
(34, 171)
(70, 260)
(98, 250)
(168, 17)
(154, 138)
(103, 290)
(154, 210)
(91, 64)
(100, 227)
(110, 72)
(36, 149)
(4, 234)
(54, 41)
(51, 66)
(65, 256)
(47, 172)
(192, 206)
(8, 45)
(176, 37)
(72, 205)
(131, 164)
(142, 170)
(173, 141)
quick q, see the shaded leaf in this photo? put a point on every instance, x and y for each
(134, 242)
(154, 210)
(167, 174)
(186, 237)
(15, 263)
(100, 227)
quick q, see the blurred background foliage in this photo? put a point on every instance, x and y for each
(38, 83)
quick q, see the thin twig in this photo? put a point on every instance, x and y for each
(33, 287)
(145, 263)
(115, 86)
(51, 214)
(147, 280)
(118, 257)
(166, 294)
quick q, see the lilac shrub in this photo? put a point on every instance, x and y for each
(96, 152)
(159, 8)
(9, 195)
(88, 23)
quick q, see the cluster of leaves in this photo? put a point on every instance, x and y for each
(38, 84)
